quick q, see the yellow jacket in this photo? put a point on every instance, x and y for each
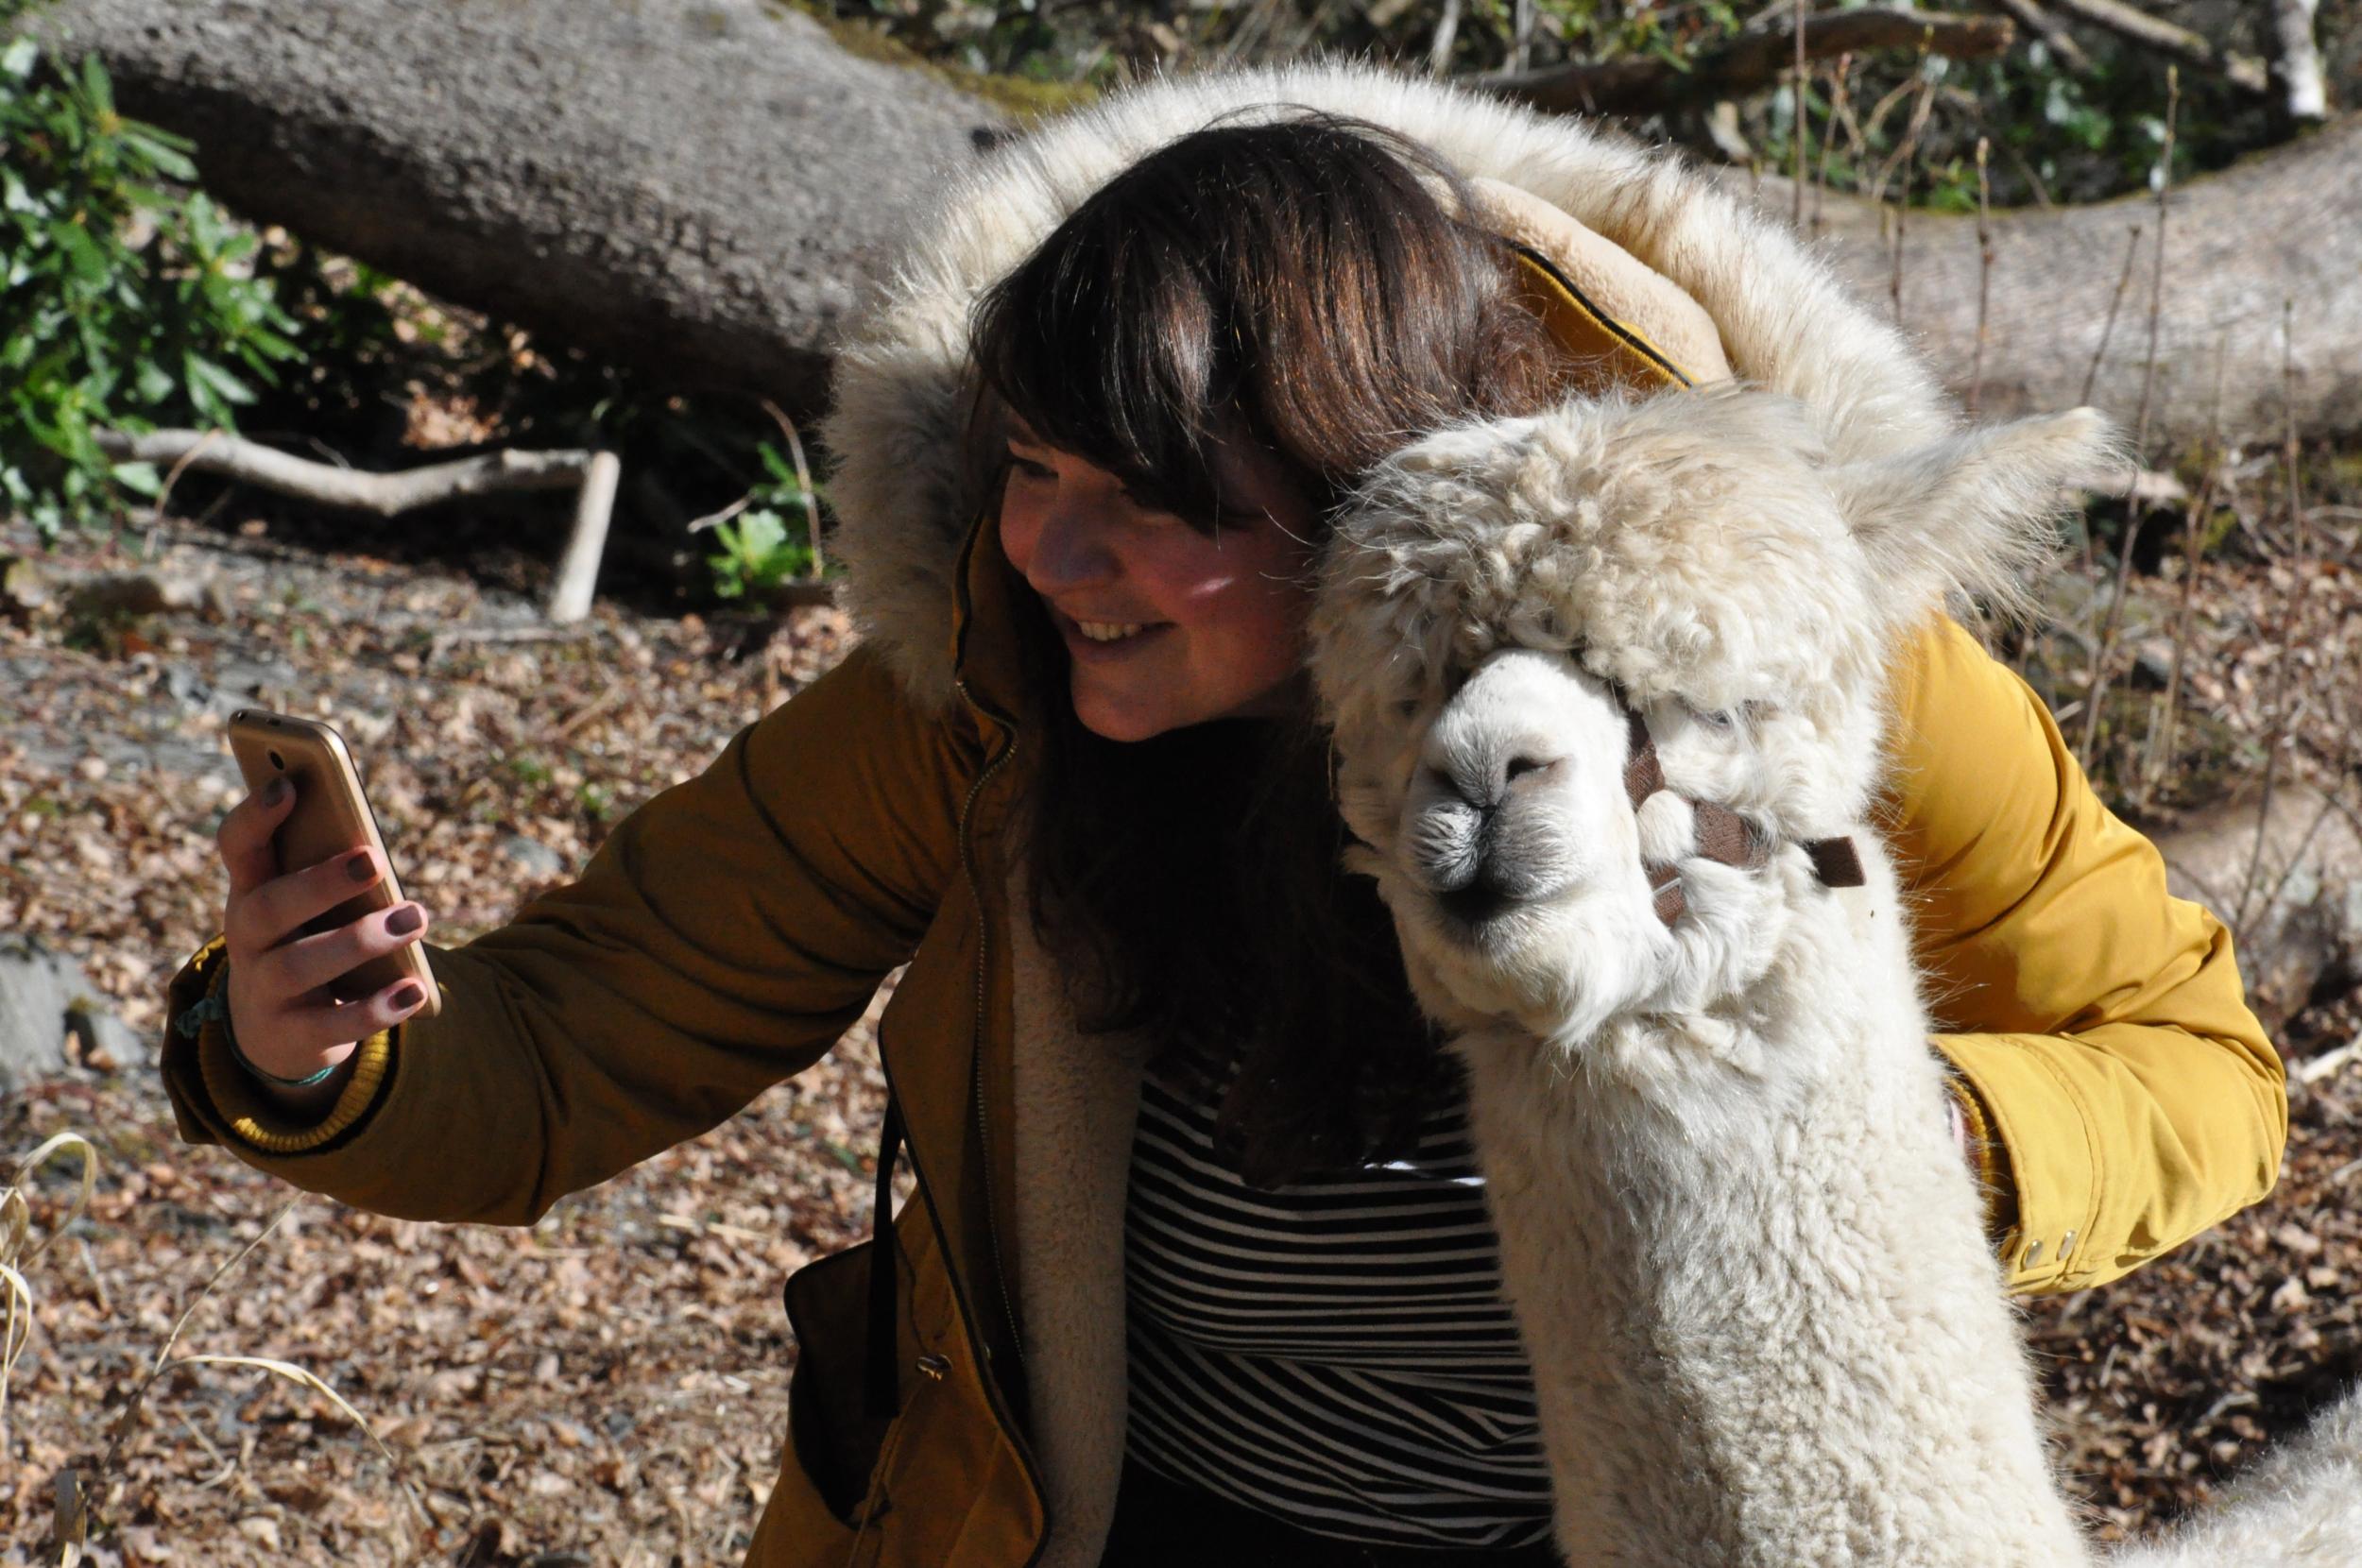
(734, 927)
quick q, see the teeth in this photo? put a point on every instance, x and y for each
(1110, 631)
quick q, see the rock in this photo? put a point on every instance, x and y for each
(536, 857)
(2302, 925)
(133, 593)
(23, 588)
(2152, 663)
(103, 1042)
(39, 987)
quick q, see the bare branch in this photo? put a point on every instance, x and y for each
(2135, 26)
(385, 494)
(1754, 59)
(592, 475)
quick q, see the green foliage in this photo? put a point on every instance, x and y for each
(769, 541)
(125, 302)
(2056, 135)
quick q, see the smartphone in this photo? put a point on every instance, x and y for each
(331, 816)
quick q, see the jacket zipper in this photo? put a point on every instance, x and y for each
(983, 937)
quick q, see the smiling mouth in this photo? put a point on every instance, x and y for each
(1110, 631)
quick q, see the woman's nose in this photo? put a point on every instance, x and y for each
(1071, 552)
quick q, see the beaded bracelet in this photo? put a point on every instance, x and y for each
(214, 1008)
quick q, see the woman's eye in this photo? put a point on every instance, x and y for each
(1030, 469)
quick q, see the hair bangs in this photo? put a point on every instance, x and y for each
(1108, 347)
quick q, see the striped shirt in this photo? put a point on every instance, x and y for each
(1336, 1353)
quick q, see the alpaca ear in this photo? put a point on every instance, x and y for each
(1976, 513)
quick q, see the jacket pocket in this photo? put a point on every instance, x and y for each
(836, 1436)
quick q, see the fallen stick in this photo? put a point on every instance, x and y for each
(592, 475)
(1755, 57)
(2135, 26)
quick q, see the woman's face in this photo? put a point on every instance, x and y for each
(1167, 626)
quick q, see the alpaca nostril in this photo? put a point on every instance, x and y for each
(1519, 766)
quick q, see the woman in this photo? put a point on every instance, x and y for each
(1199, 1262)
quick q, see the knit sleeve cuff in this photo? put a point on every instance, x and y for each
(1991, 1156)
(239, 1102)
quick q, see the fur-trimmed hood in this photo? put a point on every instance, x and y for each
(1786, 324)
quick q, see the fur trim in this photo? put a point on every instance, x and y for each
(1077, 1099)
(1786, 323)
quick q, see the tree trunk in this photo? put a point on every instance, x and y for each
(700, 190)
(2283, 228)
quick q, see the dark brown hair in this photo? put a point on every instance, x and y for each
(1304, 284)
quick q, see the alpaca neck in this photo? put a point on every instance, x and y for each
(1749, 1266)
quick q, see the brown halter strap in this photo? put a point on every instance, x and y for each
(1722, 835)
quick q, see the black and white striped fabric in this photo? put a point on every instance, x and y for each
(1336, 1353)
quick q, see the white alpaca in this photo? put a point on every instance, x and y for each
(1765, 1323)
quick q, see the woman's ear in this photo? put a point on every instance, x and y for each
(1976, 513)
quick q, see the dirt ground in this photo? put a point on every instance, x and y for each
(609, 1387)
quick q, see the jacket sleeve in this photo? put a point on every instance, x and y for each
(2130, 1097)
(721, 939)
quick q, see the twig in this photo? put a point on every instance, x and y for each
(164, 493)
(809, 497)
(1636, 84)
(2115, 303)
(1984, 273)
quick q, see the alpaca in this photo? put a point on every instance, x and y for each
(1765, 1323)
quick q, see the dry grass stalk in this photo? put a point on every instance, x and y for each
(1902, 157)
(2136, 511)
(78, 1494)
(1841, 113)
(16, 1224)
(2157, 270)
(2291, 620)
(1800, 82)
(2115, 303)
(2167, 731)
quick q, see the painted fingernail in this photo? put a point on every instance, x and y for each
(408, 997)
(404, 920)
(359, 868)
(276, 791)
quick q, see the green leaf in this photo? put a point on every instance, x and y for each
(204, 372)
(88, 260)
(167, 160)
(139, 478)
(100, 91)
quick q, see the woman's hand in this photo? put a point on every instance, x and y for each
(284, 1009)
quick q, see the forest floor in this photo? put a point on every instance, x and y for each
(609, 1386)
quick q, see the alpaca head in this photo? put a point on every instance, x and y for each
(1505, 599)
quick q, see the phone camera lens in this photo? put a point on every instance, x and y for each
(277, 761)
